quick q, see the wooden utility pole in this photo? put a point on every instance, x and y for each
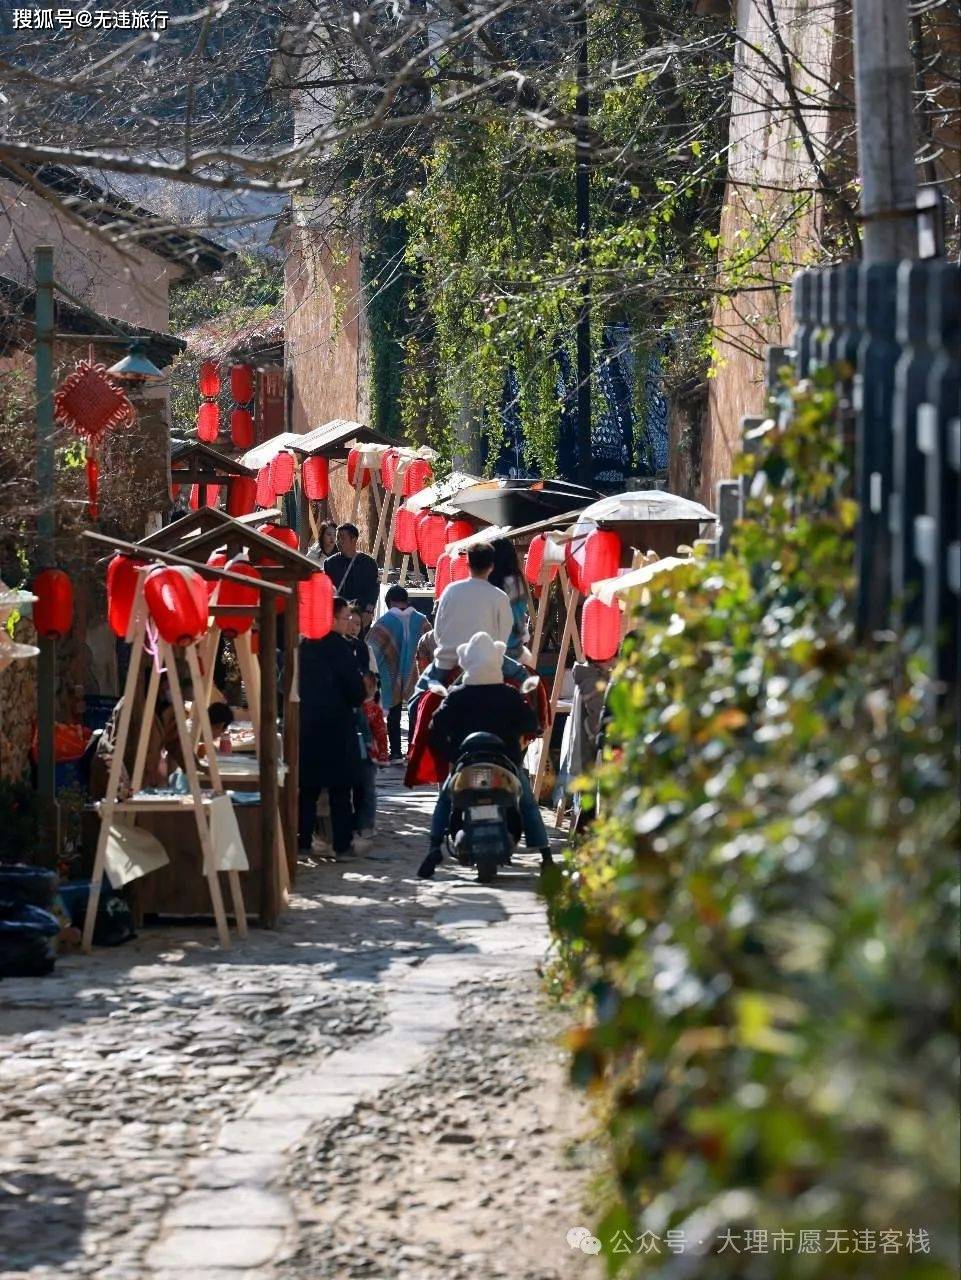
(884, 82)
(585, 462)
(46, 543)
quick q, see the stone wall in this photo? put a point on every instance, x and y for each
(18, 709)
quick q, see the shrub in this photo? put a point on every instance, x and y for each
(764, 914)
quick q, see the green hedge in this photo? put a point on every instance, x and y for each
(764, 917)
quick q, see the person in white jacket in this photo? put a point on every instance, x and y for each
(471, 606)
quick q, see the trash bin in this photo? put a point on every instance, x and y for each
(27, 947)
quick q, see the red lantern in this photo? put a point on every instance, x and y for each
(241, 495)
(282, 472)
(431, 538)
(600, 629)
(315, 476)
(460, 569)
(442, 574)
(233, 594)
(242, 383)
(242, 428)
(208, 379)
(574, 553)
(388, 469)
(405, 531)
(534, 563)
(316, 600)
(602, 555)
(281, 534)
(265, 488)
(177, 600)
(213, 496)
(122, 574)
(216, 561)
(353, 462)
(457, 530)
(417, 476)
(208, 421)
(53, 611)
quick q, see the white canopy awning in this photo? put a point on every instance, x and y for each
(611, 589)
(261, 454)
(439, 492)
(644, 504)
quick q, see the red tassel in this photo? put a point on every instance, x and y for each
(93, 475)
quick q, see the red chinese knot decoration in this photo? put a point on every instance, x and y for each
(90, 403)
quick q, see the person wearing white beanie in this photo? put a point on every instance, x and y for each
(483, 703)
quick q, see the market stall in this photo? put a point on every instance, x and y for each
(159, 602)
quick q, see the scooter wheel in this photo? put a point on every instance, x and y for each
(486, 869)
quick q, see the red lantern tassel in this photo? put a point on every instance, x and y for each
(93, 476)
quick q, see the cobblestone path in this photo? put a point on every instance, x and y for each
(373, 1089)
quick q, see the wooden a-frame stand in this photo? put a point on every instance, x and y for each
(196, 803)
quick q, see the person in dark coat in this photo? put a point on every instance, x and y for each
(331, 688)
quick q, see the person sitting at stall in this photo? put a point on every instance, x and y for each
(221, 718)
(354, 573)
(483, 703)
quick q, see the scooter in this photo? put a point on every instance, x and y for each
(485, 792)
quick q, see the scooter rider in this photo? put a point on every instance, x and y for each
(483, 703)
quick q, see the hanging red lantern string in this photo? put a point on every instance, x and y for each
(234, 595)
(177, 600)
(602, 556)
(431, 538)
(355, 461)
(388, 468)
(242, 428)
(280, 533)
(265, 490)
(241, 495)
(457, 530)
(315, 477)
(282, 472)
(417, 476)
(316, 606)
(122, 574)
(600, 629)
(208, 421)
(242, 383)
(53, 609)
(208, 379)
(460, 569)
(213, 496)
(405, 531)
(442, 574)
(534, 563)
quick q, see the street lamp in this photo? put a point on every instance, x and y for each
(135, 367)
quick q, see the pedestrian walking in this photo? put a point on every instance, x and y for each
(354, 573)
(508, 576)
(393, 641)
(326, 543)
(331, 689)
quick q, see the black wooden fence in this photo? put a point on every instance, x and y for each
(894, 330)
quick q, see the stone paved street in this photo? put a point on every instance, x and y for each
(375, 1089)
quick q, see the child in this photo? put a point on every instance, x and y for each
(373, 731)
